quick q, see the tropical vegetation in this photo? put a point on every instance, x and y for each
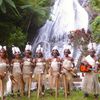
(20, 19)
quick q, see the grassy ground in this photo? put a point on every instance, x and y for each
(75, 95)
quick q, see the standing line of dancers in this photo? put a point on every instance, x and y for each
(23, 71)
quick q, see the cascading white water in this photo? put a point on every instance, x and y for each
(66, 15)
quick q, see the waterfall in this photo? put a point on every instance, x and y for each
(65, 16)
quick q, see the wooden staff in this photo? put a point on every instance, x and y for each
(56, 90)
(2, 89)
(65, 85)
(29, 87)
(51, 81)
(56, 85)
(2, 85)
(51, 78)
(22, 86)
(71, 71)
(39, 85)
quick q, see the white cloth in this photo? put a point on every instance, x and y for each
(90, 61)
(92, 46)
(39, 49)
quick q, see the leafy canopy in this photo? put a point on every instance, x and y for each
(95, 25)
(21, 18)
(5, 4)
(95, 5)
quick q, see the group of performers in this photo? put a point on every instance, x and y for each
(60, 71)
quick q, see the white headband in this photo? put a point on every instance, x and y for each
(28, 47)
(15, 50)
(55, 48)
(3, 47)
(39, 49)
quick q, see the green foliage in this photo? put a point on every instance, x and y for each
(20, 18)
(1, 2)
(38, 3)
(75, 95)
(95, 5)
(40, 9)
(17, 38)
(95, 25)
(4, 6)
(11, 3)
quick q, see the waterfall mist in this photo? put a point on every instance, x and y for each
(65, 16)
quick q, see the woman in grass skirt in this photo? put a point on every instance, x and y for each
(4, 64)
(16, 77)
(27, 69)
(39, 71)
(68, 69)
(54, 70)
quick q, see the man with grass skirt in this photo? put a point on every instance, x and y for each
(90, 82)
